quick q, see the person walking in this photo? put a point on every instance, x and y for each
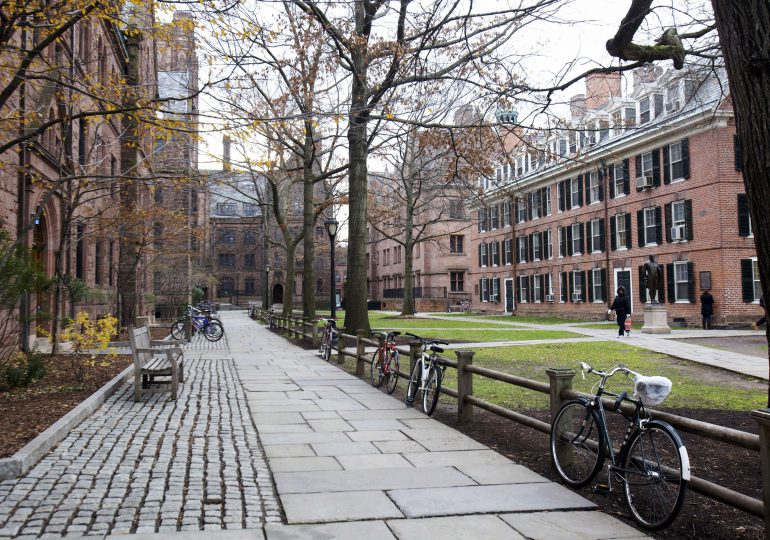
(621, 305)
(763, 319)
(706, 309)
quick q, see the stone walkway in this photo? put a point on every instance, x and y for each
(157, 466)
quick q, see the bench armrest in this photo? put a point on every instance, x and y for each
(166, 343)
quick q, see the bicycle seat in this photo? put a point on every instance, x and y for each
(395, 333)
(436, 349)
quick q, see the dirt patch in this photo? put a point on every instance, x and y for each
(27, 412)
(751, 345)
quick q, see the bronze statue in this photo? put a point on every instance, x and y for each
(653, 276)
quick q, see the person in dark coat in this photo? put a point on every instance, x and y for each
(622, 307)
(706, 309)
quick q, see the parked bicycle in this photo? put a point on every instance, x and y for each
(211, 329)
(426, 374)
(652, 463)
(329, 339)
(385, 361)
(465, 306)
(272, 324)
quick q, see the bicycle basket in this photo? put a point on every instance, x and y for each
(651, 390)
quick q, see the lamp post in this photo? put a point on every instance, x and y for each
(267, 286)
(331, 229)
(237, 293)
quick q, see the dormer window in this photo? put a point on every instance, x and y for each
(604, 130)
(644, 110)
(573, 142)
(658, 101)
(630, 116)
(617, 122)
(672, 98)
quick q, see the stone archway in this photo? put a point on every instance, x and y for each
(277, 294)
(41, 304)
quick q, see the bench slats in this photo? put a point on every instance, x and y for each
(151, 361)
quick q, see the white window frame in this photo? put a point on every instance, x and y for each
(523, 288)
(620, 241)
(755, 279)
(574, 191)
(618, 180)
(547, 192)
(495, 291)
(679, 282)
(681, 222)
(536, 290)
(645, 106)
(506, 213)
(647, 164)
(521, 211)
(535, 204)
(593, 187)
(484, 255)
(576, 238)
(537, 248)
(562, 247)
(649, 222)
(576, 275)
(484, 290)
(596, 281)
(548, 247)
(494, 254)
(671, 162)
(595, 236)
(522, 250)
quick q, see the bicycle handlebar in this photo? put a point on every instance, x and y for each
(585, 368)
(427, 341)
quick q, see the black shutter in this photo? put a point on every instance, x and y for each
(584, 285)
(525, 239)
(688, 228)
(518, 248)
(481, 220)
(569, 239)
(613, 234)
(590, 286)
(480, 261)
(604, 284)
(529, 206)
(671, 284)
(563, 290)
(686, 157)
(640, 228)
(498, 253)
(611, 181)
(601, 184)
(667, 212)
(656, 167)
(602, 239)
(582, 227)
(560, 195)
(571, 289)
(531, 289)
(638, 167)
(563, 241)
(666, 164)
(481, 290)
(691, 282)
(747, 279)
(541, 277)
(518, 290)
(626, 177)
(661, 291)
(743, 215)
(530, 248)
(579, 181)
(738, 152)
(658, 225)
(642, 288)
(628, 230)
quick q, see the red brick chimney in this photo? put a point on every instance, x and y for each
(600, 87)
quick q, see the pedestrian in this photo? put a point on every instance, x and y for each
(622, 308)
(706, 309)
(763, 319)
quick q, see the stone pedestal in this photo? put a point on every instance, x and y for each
(655, 319)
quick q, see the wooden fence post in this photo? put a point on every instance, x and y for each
(360, 352)
(762, 416)
(415, 350)
(340, 346)
(464, 385)
(303, 327)
(314, 333)
(559, 379)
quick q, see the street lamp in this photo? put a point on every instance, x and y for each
(237, 294)
(331, 229)
(267, 286)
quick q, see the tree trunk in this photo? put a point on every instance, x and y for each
(288, 288)
(408, 307)
(308, 225)
(744, 34)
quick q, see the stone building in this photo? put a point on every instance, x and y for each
(575, 213)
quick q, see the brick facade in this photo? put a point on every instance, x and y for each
(673, 174)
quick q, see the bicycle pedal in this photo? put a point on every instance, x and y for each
(602, 489)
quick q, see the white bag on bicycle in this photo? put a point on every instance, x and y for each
(651, 390)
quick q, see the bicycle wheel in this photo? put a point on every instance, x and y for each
(377, 375)
(577, 443)
(432, 390)
(414, 383)
(327, 345)
(656, 473)
(177, 330)
(213, 331)
(392, 372)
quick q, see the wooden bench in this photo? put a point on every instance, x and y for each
(155, 359)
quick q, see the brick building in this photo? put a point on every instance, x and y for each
(575, 213)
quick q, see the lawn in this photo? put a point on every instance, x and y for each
(483, 335)
(527, 319)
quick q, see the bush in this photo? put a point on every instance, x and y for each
(88, 337)
(23, 369)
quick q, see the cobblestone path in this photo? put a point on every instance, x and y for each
(157, 466)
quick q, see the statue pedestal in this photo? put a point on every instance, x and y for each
(655, 319)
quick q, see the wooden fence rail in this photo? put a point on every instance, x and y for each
(559, 388)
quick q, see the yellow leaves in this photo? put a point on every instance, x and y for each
(389, 116)
(89, 335)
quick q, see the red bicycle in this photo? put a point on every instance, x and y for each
(385, 361)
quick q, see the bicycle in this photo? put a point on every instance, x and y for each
(385, 361)
(426, 375)
(271, 320)
(329, 339)
(465, 306)
(211, 328)
(652, 463)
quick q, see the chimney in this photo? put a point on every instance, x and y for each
(600, 87)
(646, 74)
(226, 153)
(577, 107)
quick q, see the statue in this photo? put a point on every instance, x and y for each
(653, 276)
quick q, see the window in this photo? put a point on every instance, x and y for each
(250, 209)
(577, 244)
(226, 209)
(521, 211)
(676, 164)
(596, 234)
(111, 262)
(745, 227)
(678, 220)
(575, 194)
(483, 254)
(494, 216)
(455, 244)
(537, 290)
(98, 262)
(495, 286)
(456, 209)
(226, 287)
(508, 251)
(681, 282)
(619, 180)
(494, 253)
(644, 110)
(537, 248)
(484, 295)
(597, 285)
(226, 236)
(506, 213)
(647, 164)
(522, 242)
(650, 227)
(523, 289)
(534, 198)
(157, 282)
(548, 245)
(546, 201)
(630, 116)
(577, 286)
(80, 252)
(250, 286)
(621, 233)
(562, 247)
(672, 98)
(249, 261)
(249, 237)
(227, 260)
(594, 192)
(755, 279)
(457, 281)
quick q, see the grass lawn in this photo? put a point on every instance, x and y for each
(691, 388)
(484, 335)
(528, 319)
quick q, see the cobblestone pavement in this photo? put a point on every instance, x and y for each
(157, 466)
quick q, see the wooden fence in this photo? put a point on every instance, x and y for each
(559, 389)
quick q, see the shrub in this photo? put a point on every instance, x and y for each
(23, 368)
(89, 338)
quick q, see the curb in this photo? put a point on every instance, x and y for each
(28, 456)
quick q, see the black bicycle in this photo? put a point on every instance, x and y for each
(652, 464)
(426, 374)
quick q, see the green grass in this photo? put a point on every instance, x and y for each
(528, 319)
(690, 390)
(487, 335)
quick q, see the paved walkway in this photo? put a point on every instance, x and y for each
(662, 343)
(348, 461)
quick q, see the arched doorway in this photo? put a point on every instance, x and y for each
(41, 303)
(277, 293)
